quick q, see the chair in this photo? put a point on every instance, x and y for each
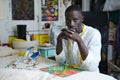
(100, 21)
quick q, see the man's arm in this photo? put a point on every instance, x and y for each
(61, 36)
(82, 48)
(76, 37)
(67, 34)
(93, 58)
(59, 45)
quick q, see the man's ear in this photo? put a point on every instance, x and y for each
(82, 18)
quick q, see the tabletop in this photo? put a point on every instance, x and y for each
(13, 65)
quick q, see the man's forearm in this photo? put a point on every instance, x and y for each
(59, 46)
(83, 49)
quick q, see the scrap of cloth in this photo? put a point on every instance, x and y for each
(6, 51)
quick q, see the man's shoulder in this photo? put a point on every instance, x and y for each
(91, 29)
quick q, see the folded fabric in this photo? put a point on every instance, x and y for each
(6, 51)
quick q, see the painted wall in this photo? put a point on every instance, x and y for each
(9, 26)
(4, 20)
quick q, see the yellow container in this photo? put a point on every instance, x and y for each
(36, 37)
(10, 39)
(21, 53)
(42, 38)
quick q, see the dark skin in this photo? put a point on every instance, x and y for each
(74, 21)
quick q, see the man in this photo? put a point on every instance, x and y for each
(78, 45)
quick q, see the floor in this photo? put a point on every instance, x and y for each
(114, 70)
(115, 75)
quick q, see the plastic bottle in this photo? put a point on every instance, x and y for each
(27, 36)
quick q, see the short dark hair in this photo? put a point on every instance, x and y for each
(73, 7)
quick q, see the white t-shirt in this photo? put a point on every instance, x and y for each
(92, 40)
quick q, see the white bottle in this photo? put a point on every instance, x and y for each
(27, 36)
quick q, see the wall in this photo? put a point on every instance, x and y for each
(8, 26)
(4, 21)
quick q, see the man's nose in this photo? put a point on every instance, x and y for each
(71, 23)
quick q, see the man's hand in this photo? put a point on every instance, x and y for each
(69, 34)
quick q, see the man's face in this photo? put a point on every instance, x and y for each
(74, 20)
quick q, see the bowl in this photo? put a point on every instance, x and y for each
(24, 44)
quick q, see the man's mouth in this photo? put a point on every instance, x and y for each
(72, 29)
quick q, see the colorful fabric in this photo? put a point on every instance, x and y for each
(59, 70)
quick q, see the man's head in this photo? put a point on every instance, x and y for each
(74, 18)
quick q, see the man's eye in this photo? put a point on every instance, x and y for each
(75, 20)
